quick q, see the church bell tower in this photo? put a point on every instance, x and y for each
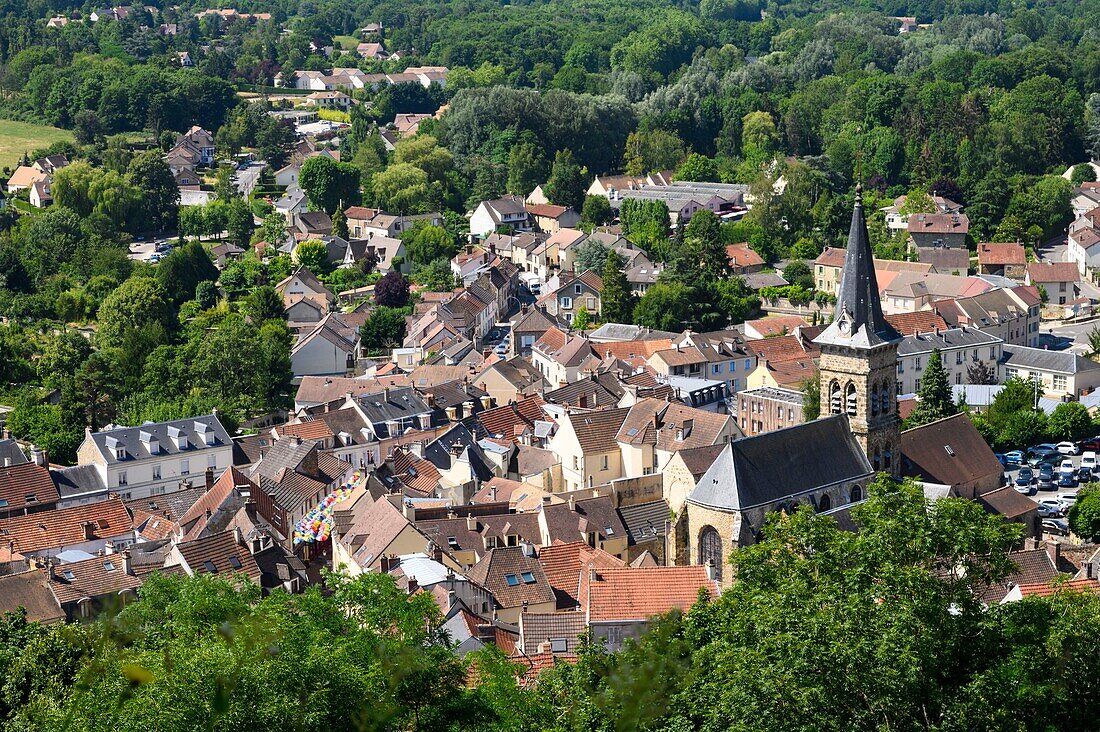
(859, 353)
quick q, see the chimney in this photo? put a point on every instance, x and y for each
(417, 449)
(384, 564)
(209, 478)
(89, 531)
(409, 510)
(592, 575)
(7, 462)
(492, 493)
(523, 607)
(40, 457)
(109, 547)
(238, 536)
(127, 565)
(546, 500)
(437, 552)
(386, 394)
(572, 502)
(1054, 551)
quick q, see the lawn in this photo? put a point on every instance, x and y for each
(19, 137)
(347, 43)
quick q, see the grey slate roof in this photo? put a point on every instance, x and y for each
(858, 320)
(945, 339)
(130, 438)
(768, 468)
(645, 521)
(439, 452)
(1065, 362)
(11, 454)
(392, 404)
(77, 480)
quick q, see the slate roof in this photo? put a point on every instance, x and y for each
(639, 593)
(62, 527)
(214, 508)
(129, 439)
(441, 451)
(775, 466)
(76, 480)
(512, 577)
(10, 452)
(646, 521)
(1033, 566)
(1007, 502)
(1038, 359)
(562, 630)
(91, 578)
(929, 341)
(699, 459)
(30, 590)
(596, 430)
(589, 515)
(25, 485)
(597, 390)
(950, 452)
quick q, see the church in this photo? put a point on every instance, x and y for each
(826, 463)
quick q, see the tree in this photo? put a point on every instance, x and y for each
(426, 243)
(581, 320)
(811, 399)
(526, 168)
(392, 290)
(263, 304)
(1094, 341)
(596, 211)
(340, 223)
(1084, 514)
(590, 254)
(1082, 173)
(934, 400)
(981, 373)
(568, 181)
(313, 255)
(385, 328)
(653, 150)
(698, 168)
(182, 270)
(137, 305)
(424, 152)
(665, 306)
(239, 222)
(402, 188)
(159, 192)
(435, 276)
(798, 272)
(206, 294)
(616, 300)
(1070, 421)
(328, 183)
(273, 229)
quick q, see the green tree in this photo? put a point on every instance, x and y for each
(136, 305)
(239, 222)
(581, 321)
(385, 328)
(159, 193)
(1082, 173)
(402, 188)
(182, 270)
(1070, 421)
(596, 211)
(616, 300)
(426, 243)
(934, 399)
(340, 223)
(328, 183)
(698, 168)
(590, 254)
(1084, 514)
(263, 304)
(568, 181)
(811, 399)
(436, 275)
(665, 306)
(653, 150)
(526, 168)
(313, 255)
(424, 152)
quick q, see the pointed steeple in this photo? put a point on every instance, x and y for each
(858, 320)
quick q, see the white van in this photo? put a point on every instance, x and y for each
(1088, 460)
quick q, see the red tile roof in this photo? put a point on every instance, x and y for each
(67, 526)
(831, 257)
(20, 482)
(1001, 253)
(314, 429)
(91, 578)
(504, 420)
(547, 210)
(741, 255)
(219, 554)
(1046, 589)
(639, 593)
(564, 563)
(1053, 272)
(925, 321)
(776, 326)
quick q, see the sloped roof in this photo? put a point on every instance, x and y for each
(924, 321)
(30, 590)
(35, 532)
(91, 578)
(949, 452)
(1053, 272)
(589, 515)
(25, 481)
(596, 430)
(639, 593)
(219, 554)
(776, 466)
(1033, 567)
(512, 577)
(998, 253)
(646, 521)
(564, 562)
(1046, 589)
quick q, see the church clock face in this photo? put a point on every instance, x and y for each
(844, 326)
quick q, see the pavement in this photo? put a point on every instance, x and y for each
(1056, 492)
(1057, 250)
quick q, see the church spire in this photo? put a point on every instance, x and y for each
(858, 320)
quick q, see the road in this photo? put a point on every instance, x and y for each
(1056, 250)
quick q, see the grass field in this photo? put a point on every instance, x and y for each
(348, 43)
(19, 137)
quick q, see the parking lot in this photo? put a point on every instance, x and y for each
(1055, 492)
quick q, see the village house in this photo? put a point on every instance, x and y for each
(830, 263)
(576, 292)
(550, 219)
(968, 355)
(329, 348)
(1058, 280)
(1062, 374)
(743, 260)
(508, 213)
(1011, 314)
(947, 230)
(1083, 241)
(768, 408)
(1007, 260)
(560, 357)
(329, 100)
(897, 221)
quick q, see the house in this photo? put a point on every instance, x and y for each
(200, 140)
(743, 260)
(90, 586)
(951, 452)
(550, 218)
(221, 554)
(372, 51)
(50, 164)
(372, 530)
(906, 291)
(183, 60)
(1058, 280)
(770, 327)
(516, 580)
(783, 361)
(30, 592)
(768, 408)
(40, 196)
(329, 100)
(155, 457)
(897, 221)
(330, 348)
(89, 528)
(587, 447)
(468, 264)
(619, 603)
(564, 563)
(1083, 241)
(773, 471)
(1011, 314)
(656, 429)
(560, 357)
(1063, 374)
(303, 284)
(508, 213)
(565, 240)
(830, 263)
(684, 198)
(947, 230)
(510, 381)
(408, 125)
(968, 355)
(945, 260)
(24, 177)
(292, 478)
(1004, 259)
(26, 488)
(528, 326)
(576, 292)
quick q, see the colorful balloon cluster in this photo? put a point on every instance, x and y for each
(317, 524)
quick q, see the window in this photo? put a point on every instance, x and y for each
(591, 304)
(850, 399)
(122, 477)
(234, 562)
(576, 289)
(736, 384)
(30, 498)
(916, 363)
(856, 494)
(528, 578)
(733, 366)
(68, 574)
(109, 566)
(185, 466)
(716, 368)
(1059, 382)
(210, 566)
(567, 303)
(824, 503)
(901, 366)
(958, 357)
(1011, 372)
(748, 364)
(603, 463)
(512, 580)
(212, 461)
(993, 353)
(576, 463)
(834, 398)
(156, 472)
(710, 550)
(916, 384)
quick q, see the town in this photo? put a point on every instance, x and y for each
(365, 369)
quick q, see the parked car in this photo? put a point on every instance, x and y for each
(1046, 511)
(1066, 480)
(1050, 458)
(1068, 500)
(1067, 448)
(1045, 448)
(1051, 504)
(1046, 478)
(1026, 476)
(1088, 460)
(1084, 475)
(1066, 467)
(1058, 527)
(1014, 457)
(1092, 444)
(501, 348)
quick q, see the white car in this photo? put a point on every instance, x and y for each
(1053, 503)
(1088, 460)
(1067, 448)
(1068, 500)
(1066, 468)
